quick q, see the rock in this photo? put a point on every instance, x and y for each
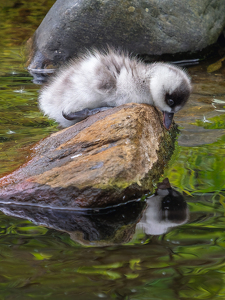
(109, 158)
(144, 27)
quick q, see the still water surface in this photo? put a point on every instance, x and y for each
(177, 250)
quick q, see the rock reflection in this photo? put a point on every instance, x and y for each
(114, 225)
(109, 226)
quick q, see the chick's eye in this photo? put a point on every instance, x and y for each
(170, 102)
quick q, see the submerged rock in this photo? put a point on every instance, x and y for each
(109, 158)
(143, 27)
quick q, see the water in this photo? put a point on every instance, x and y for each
(176, 251)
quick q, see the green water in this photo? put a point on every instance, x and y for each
(182, 262)
(21, 124)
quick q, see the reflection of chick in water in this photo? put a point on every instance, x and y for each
(166, 209)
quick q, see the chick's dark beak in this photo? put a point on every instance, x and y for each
(167, 119)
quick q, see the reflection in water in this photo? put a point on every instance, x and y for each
(166, 209)
(113, 225)
(40, 76)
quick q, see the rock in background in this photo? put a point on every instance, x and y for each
(109, 158)
(152, 27)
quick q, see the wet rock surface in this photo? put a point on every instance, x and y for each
(109, 158)
(143, 27)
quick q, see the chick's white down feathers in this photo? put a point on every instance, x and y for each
(112, 78)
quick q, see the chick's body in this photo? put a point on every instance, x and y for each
(110, 79)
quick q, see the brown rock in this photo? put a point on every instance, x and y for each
(111, 157)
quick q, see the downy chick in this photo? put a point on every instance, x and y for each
(98, 81)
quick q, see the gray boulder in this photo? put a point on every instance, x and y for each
(150, 27)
